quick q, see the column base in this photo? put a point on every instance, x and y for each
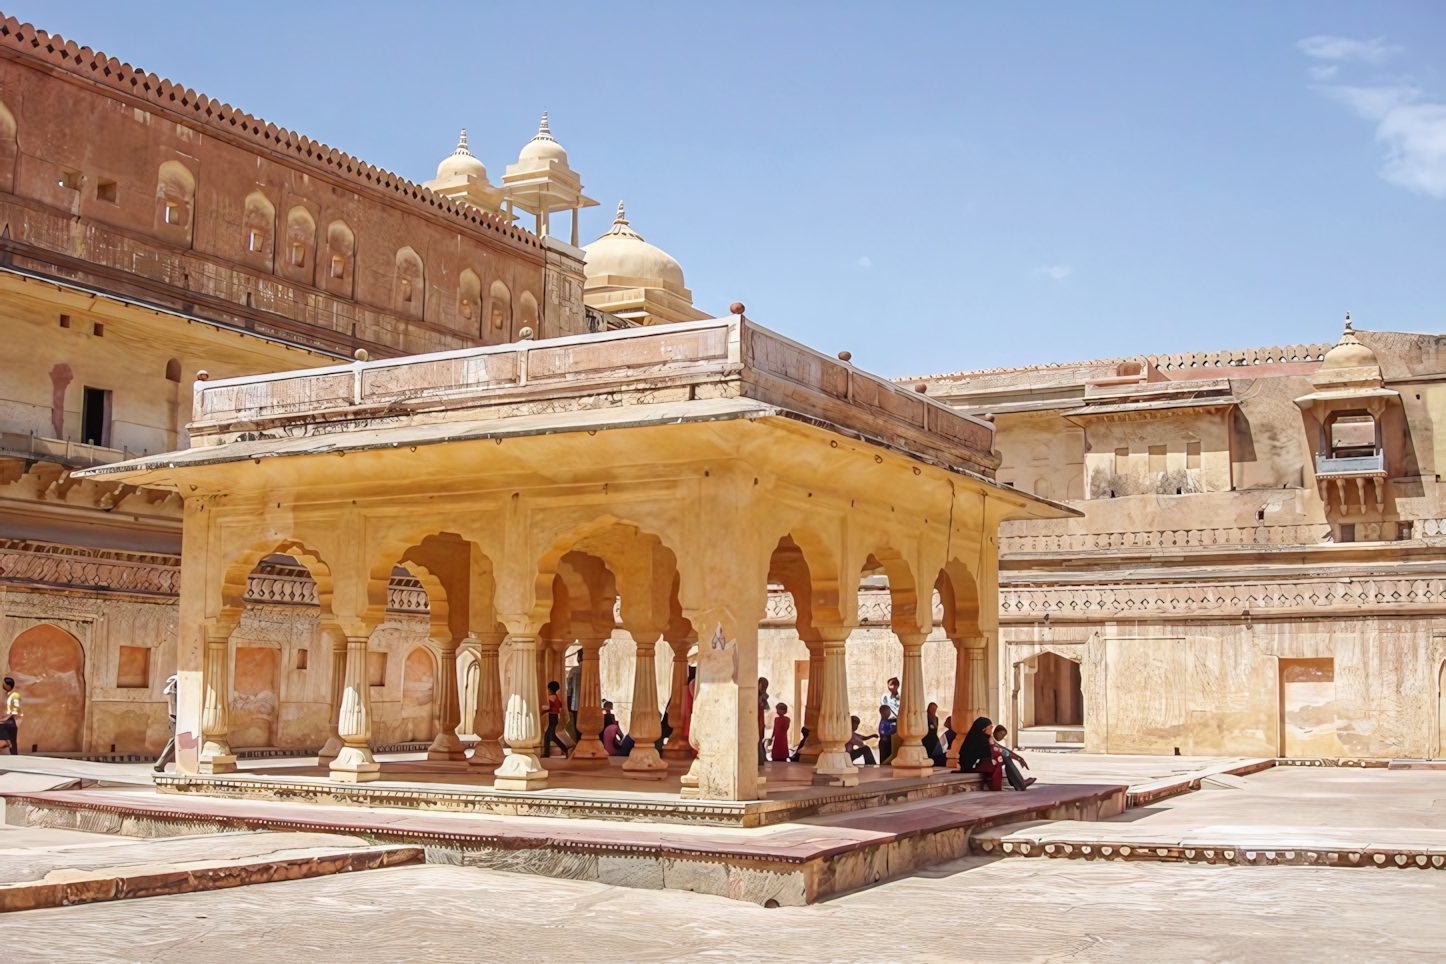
(218, 763)
(835, 769)
(354, 764)
(908, 771)
(486, 756)
(645, 764)
(521, 770)
(447, 747)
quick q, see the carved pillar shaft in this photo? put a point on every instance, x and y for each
(338, 686)
(813, 743)
(643, 762)
(447, 745)
(589, 705)
(522, 770)
(910, 758)
(960, 709)
(978, 684)
(216, 755)
(834, 768)
(355, 763)
(487, 720)
(677, 747)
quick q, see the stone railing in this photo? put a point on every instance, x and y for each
(1294, 535)
(43, 563)
(273, 584)
(1199, 600)
(876, 608)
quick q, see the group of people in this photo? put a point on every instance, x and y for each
(982, 751)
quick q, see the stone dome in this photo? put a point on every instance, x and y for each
(543, 147)
(627, 259)
(461, 163)
(1350, 353)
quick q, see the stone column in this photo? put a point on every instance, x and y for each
(355, 763)
(644, 763)
(521, 769)
(216, 755)
(978, 680)
(813, 744)
(960, 709)
(911, 760)
(590, 750)
(834, 727)
(447, 745)
(338, 686)
(677, 748)
(487, 721)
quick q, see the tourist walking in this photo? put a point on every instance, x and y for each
(10, 728)
(554, 713)
(168, 755)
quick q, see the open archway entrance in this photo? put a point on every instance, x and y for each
(48, 665)
(1050, 702)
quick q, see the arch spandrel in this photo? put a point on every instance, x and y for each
(226, 609)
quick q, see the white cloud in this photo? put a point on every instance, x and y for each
(1324, 72)
(1324, 47)
(1412, 129)
(1054, 272)
(864, 262)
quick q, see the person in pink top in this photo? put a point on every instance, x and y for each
(781, 724)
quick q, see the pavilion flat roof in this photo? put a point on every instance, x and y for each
(711, 370)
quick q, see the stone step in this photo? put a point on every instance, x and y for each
(1244, 845)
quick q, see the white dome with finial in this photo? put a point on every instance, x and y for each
(462, 163)
(622, 257)
(1349, 353)
(543, 147)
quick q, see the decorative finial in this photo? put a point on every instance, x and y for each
(544, 133)
(462, 147)
(1348, 321)
(622, 217)
(736, 308)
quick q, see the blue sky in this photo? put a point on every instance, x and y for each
(932, 187)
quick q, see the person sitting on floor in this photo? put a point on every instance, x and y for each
(797, 755)
(887, 728)
(980, 754)
(612, 738)
(1011, 772)
(779, 743)
(856, 747)
(949, 735)
(608, 718)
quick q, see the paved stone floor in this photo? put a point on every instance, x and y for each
(974, 910)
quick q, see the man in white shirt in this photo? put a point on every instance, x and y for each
(10, 726)
(891, 698)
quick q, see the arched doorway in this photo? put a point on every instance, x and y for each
(419, 676)
(49, 669)
(1049, 702)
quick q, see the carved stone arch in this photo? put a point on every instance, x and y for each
(298, 250)
(469, 300)
(238, 573)
(499, 309)
(175, 201)
(959, 596)
(409, 286)
(527, 313)
(338, 267)
(9, 148)
(903, 589)
(640, 561)
(258, 230)
(592, 593)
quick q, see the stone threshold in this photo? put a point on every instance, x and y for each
(1141, 794)
(1243, 846)
(61, 888)
(665, 808)
(787, 864)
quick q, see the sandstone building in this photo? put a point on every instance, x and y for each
(1258, 567)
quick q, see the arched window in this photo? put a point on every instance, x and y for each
(469, 296)
(336, 276)
(408, 291)
(300, 247)
(499, 306)
(173, 370)
(175, 194)
(527, 313)
(258, 227)
(9, 149)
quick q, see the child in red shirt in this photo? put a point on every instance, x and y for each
(554, 712)
(781, 724)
